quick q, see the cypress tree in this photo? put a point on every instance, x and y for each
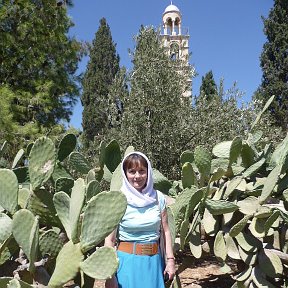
(274, 63)
(101, 70)
(208, 88)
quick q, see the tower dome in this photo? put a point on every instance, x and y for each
(172, 8)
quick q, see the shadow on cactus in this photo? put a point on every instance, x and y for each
(52, 223)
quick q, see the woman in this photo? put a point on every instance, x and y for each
(140, 264)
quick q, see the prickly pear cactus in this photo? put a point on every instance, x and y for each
(242, 208)
(49, 217)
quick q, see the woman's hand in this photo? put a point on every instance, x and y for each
(170, 263)
(111, 283)
(170, 268)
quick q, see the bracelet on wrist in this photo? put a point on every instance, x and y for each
(170, 258)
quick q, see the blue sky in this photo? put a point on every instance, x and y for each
(226, 36)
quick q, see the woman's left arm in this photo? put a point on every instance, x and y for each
(170, 265)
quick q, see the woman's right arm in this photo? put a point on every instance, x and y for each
(110, 241)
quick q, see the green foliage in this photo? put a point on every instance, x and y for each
(227, 119)
(156, 98)
(38, 66)
(38, 62)
(274, 64)
(101, 70)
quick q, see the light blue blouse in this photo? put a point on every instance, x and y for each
(142, 224)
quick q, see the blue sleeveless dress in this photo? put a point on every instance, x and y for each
(141, 224)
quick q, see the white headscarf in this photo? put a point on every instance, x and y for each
(139, 199)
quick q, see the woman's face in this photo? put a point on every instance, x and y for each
(137, 176)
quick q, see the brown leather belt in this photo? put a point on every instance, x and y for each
(139, 248)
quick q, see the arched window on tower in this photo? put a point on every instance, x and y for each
(176, 26)
(169, 26)
(174, 51)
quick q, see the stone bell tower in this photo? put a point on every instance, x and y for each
(175, 37)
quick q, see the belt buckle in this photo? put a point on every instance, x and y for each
(146, 249)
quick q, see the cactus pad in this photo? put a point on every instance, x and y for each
(6, 227)
(217, 174)
(64, 184)
(257, 227)
(116, 180)
(90, 176)
(232, 185)
(220, 249)
(238, 227)
(270, 183)
(102, 264)
(60, 172)
(219, 207)
(249, 205)
(267, 104)
(254, 168)
(181, 201)
(67, 265)
(102, 215)
(79, 163)
(210, 223)
(42, 160)
(41, 203)
(222, 149)
(268, 224)
(93, 188)
(248, 242)
(8, 190)
(195, 243)
(25, 229)
(50, 243)
(66, 146)
(186, 156)
(279, 154)
(14, 283)
(202, 159)
(194, 200)
(112, 155)
(17, 158)
(23, 196)
(62, 205)
(221, 163)
(232, 250)
(235, 149)
(161, 183)
(76, 204)
(188, 175)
